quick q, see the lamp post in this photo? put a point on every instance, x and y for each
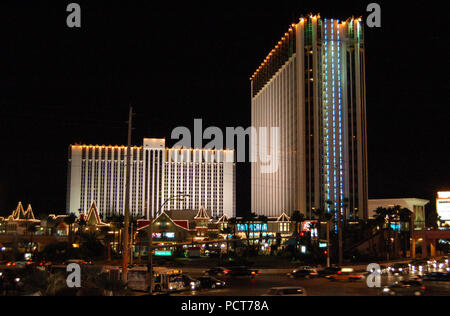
(180, 197)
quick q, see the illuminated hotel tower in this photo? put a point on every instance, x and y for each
(98, 173)
(312, 86)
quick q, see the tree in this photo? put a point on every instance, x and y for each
(297, 218)
(227, 231)
(386, 216)
(31, 229)
(248, 220)
(407, 228)
(263, 220)
(70, 220)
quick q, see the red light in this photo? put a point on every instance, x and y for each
(226, 271)
(423, 288)
(302, 234)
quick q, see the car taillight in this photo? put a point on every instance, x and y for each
(8, 264)
(423, 288)
(226, 271)
(253, 273)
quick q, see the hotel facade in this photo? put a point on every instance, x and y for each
(98, 174)
(312, 86)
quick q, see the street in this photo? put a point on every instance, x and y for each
(315, 287)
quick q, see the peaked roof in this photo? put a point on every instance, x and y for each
(19, 213)
(93, 218)
(202, 214)
(29, 213)
(284, 218)
(163, 215)
(223, 219)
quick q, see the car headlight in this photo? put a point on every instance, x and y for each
(218, 283)
(386, 290)
(401, 270)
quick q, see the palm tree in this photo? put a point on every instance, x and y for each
(227, 231)
(406, 220)
(385, 216)
(263, 221)
(82, 223)
(248, 220)
(32, 229)
(70, 220)
(105, 233)
(297, 218)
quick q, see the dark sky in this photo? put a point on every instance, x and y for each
(175, 62)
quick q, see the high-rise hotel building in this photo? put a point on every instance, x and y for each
(158, 174)
(312, 86)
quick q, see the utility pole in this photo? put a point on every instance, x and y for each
(126, 241)
(150, 249)
(341, 254)
(328, 244)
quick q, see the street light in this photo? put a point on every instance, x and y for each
(181, 197)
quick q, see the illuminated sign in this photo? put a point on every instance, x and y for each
(323, 245)
(443, 206)
(253, 227)
(164, 235)
(307, 227)
(163, 253)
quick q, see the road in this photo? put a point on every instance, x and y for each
(315, 287)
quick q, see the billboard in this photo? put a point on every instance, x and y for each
(443, 206)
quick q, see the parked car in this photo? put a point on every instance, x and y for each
(306, 273)
(242, 271)
(287, 291)
(405, 288)
(207, 282)
(217, 272)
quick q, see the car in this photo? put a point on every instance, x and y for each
(217, 272)
(242, 271)
(405, 288)
(287, 291)
(399, 268)
(304, 273)
(437, 277)
(345, 275)
(207, 282)
(418, 266)
(190, 283)
(81, 262)
(329, 271)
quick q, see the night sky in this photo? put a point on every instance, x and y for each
(175, 62)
